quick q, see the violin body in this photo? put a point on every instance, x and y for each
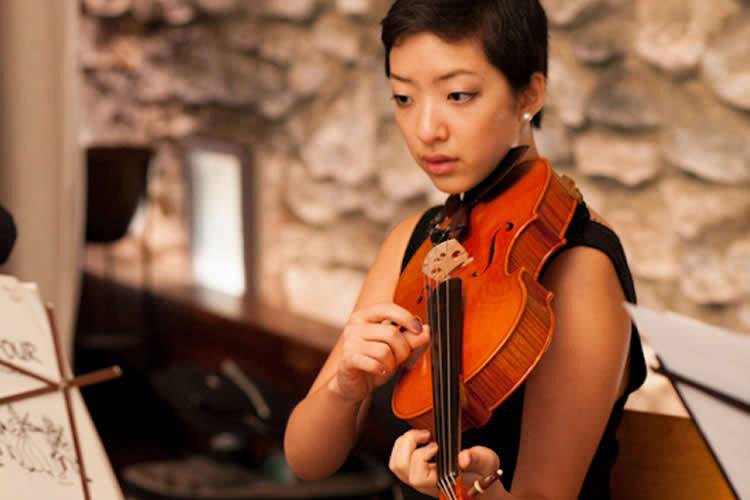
(507, 313)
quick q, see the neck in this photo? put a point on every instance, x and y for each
(527, 138)
(530, 154)
(490, 184)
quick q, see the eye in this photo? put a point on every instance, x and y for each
(401, 100)
(461, 96)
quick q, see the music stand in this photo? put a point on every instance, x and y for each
(709, 368)
(41, 370)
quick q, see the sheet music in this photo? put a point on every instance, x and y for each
(37, 453)
(717, 358)
(704, 353)
(727, 430)
(25, 335)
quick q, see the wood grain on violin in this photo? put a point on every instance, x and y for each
(476, 282)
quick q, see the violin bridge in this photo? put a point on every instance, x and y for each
(445, 258)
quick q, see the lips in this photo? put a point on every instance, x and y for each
(439, 164)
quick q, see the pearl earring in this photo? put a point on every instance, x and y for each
(527, 116)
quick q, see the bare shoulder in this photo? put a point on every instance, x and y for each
(570, 394)
(588, 298)
(582, 266)
(579, 266)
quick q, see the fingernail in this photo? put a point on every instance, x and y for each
(417, 326)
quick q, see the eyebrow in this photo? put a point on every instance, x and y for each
(444, 77)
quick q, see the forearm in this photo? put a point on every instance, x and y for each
(320, 433)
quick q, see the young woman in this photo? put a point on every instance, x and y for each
(468, 80)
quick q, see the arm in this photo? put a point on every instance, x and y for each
(324, 426)
(569, 396)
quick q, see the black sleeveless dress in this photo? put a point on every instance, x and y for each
(502, 433)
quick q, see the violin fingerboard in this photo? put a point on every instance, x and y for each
(445, 311)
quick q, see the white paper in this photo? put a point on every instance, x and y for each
(25, 335)
(704, 353)
(716, 358)
(37, 451)
(727, 429)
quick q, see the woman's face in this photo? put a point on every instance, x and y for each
(456, 111)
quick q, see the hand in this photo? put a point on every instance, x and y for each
(479, 462)
(374, 343)
(410, 462)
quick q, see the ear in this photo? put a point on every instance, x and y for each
(532, 97)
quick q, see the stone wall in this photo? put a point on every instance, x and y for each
(648, 110)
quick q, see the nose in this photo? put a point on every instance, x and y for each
(431, 127)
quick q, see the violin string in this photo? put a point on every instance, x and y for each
(441, 378)
(449, 379)
(434, 356)
(448, 384)
(459, 371)
(449, 392)
(446, 388)
(458, 375)
(427, 294)
(453, 343)
(443, 367)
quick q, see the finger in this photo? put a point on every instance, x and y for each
(418, 340)
(362, 362)
(396, 339)
(421, 472)
(404, 447)
(415, 355)
(380, 351)
(480, 460)
(424, 453)
(390, 335)
(418, 345)
(391, 312)
(390, 329)
(411, 340)
(370, 339)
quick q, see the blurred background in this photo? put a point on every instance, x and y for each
(648, 112)
(255, 138)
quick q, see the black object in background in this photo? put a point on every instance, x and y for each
(228, 417)
(240, 424)
(7, 234)
(116, 183)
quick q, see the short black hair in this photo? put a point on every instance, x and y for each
(513, 33)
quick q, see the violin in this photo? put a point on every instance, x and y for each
(476, 282)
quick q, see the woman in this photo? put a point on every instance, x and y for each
(468, 80)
